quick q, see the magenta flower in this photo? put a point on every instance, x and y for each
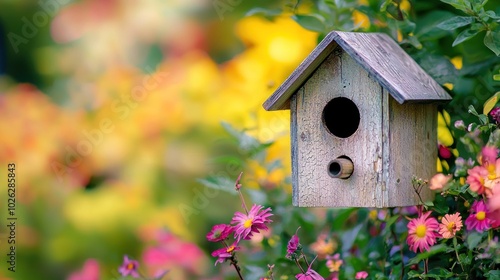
(309, 275)
(129, 267)
(246, 225)
(422, 232)
(219, 232)
(293, 244)
(495, 114)
(225, 253)
(478, 219)
(361, 275)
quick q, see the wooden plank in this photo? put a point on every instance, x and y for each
(413, 150)
(278, 100)
(294, 143)
(389, 64)
(338, 76)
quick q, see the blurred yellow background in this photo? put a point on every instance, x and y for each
(111, 110)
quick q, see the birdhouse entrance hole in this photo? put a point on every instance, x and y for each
(341, 117)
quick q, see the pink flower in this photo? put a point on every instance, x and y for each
(246, 225)
(361, 275)
(167, 251)
(90, 271)
(489, 155)
(438, 181)
(478, 219)
(309, 275)
(493, 179)
(422, 232)
(476, 179)
(450, 224)
(225, 253)
(494, 207)
(129, 267)
(293, 244)
(334, 262)
(219, 232)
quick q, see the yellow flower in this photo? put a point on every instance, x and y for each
(360, 19)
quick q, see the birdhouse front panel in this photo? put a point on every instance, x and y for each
(337, 141)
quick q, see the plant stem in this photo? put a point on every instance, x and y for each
(305, 259)
(237, 186)
(456, 253)
(298, 264)
(426, 266)
(234, 262)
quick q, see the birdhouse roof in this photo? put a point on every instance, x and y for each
(378, 54)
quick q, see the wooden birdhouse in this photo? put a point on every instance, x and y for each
(363, 123)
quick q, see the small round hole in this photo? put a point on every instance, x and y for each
(334, 169)
(341, 117)
(341, 167)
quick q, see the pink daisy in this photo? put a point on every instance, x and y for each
(219, 232)
(478, 219)
(129, 267)
(450, 224)
(422, 232)
(246, 225)
(476, 179)
(225, 253)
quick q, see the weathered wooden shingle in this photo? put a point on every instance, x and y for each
(379, 55)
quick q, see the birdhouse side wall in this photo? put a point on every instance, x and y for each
(314, 147)
(412, 151)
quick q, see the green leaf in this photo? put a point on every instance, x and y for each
(457, 4)
(484, 119)
(246, 142)
(348, 237)
(490, 103)
(425, 255)
(496, 77)
(473, 111)
(492, 14)
(493, 274)
(492, 41)
(473, 239)
(264, 12)
(455, 22)
(465, 35)
(312, 22)
(219, 183)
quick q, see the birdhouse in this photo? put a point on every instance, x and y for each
(363, 123)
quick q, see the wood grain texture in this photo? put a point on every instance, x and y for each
(314, 147)
(413, 151)
(389, 64)
(295, 151)
(378, 54)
